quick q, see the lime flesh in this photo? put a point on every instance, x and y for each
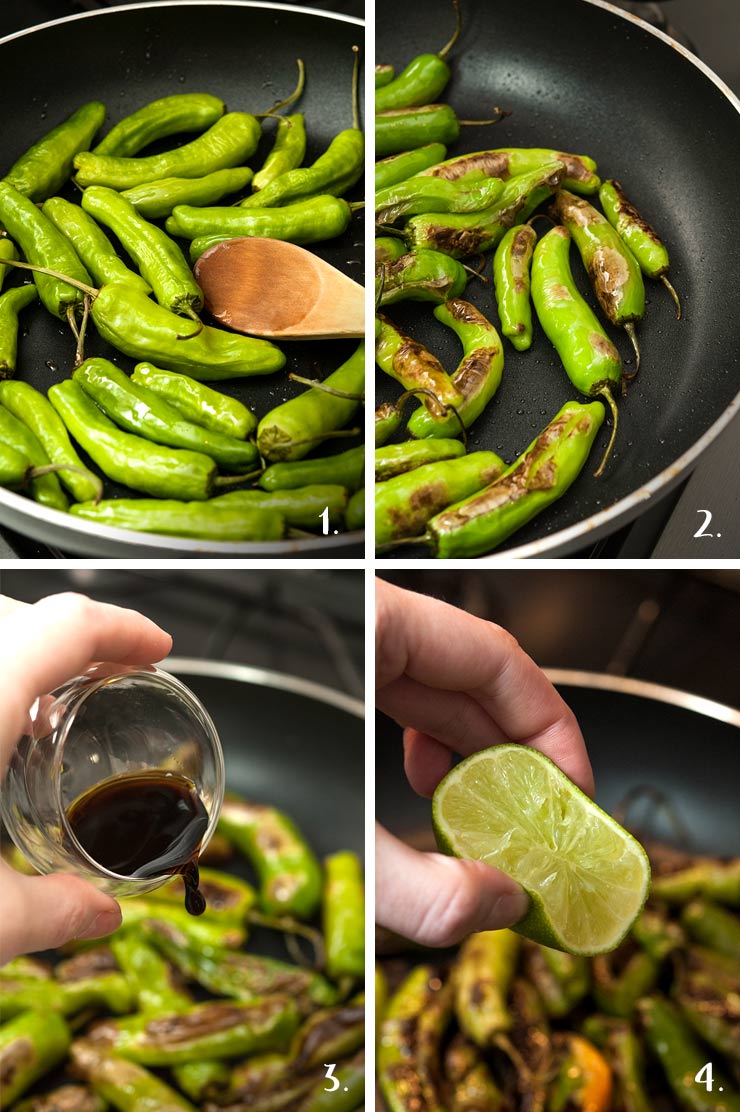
(512, 808)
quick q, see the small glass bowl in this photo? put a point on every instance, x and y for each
(111, 719)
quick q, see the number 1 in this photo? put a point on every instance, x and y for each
(324, 515)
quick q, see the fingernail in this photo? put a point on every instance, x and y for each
(510, 907)
(104, 923)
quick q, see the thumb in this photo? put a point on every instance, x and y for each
(437, 900)
(42, 912)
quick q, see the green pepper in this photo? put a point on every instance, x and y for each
(108, 990)
(127, 1086)
(289, 874)
(30, 1046)
(461, 234)
(511, 162)
(715, 880)
(422, 80)
(155, 199)
(627, 1059)
(330, 1033)
(540, 476)
(682, 1056)
(137, 409)
(212, 520)
(45, 488)
(484, 971)
(383, 75)
(302, 507)
(217, 1029)
(708, 997)
(478, 374)
(11, 303)
(230, 141)
(346, 469)
(388, 249)
(227, 897)
(159, 259)
(388, 417)
(641, 238)
(289, 431)
(354, 517)
(343, 916)
(149, 975)
(421, 276)
(43, 245)
(170, 115)
(562, 980)
(7, 251)
(409, 1042)
(67, 1098)
(307, 221)
(622, 978)
(401, 167)
(511, 265)
(404, 504)
(47, 165)
(425, 194)
(95, 250)
(131, 460)
(199, 403)
(472, 1087)
(656, 933)
(406, 360)
(289, 147)
(203, 1078)
(531, 1037)
(25, 967)
(204, 931)
(396, 459)
(408, 128)
(31, 407)
(713, 927)
(239, 976)
(590, 359)
(614, 272)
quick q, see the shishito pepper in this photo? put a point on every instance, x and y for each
(354, 517)
(46, 166)
(425, 194)
(622, 978)
(211, 520)
(470, 1082)
(292, 429)
(343, 916)
(7, 251)
(202, 1078)
(11, 303)
(409, 362)
(31, 1045)
(308, 221)
(67, 1098)
(714, 880)
(483, 975)
(561, 979)
(511, 162)
(169, 115)
(290, 875)
(511, 265)
(404, 504)
(477, 376)
(205, 930)
(148, 975)
(422, 80)
(624, 1052)
(420, 276)
(397, 459)
(156, 199)
(95, 250)
(241, 976)
(127, 1086)
(707, 990)
(108, 990)
(218, 1029)
(540, 476)
(399, 167)
(228, 898)
(712, 926)
(139, 410)
(409, 1042)
(45, 488)
(199, 403)
(658, 935)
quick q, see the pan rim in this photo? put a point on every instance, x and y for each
(264, 677)
(130, 540)
(626, 509)
(645, 689)
(321, 12)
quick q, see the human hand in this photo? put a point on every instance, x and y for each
(457, 684)
(41, 647)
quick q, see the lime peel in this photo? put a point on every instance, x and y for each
(586, 877)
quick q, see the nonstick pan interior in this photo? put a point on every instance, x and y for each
(686, 749)
(246, 54)
(582, 77)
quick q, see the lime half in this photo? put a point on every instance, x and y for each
(586, 877)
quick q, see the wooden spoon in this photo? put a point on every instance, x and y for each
(270, 288)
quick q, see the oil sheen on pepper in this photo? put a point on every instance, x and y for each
(144, 824)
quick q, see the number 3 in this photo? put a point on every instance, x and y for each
(707, 521)
(329, 1067)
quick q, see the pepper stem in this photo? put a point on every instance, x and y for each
(423, 538)
(458, 28)
(53, 468)
(605, 392)
(501, 114)
(672, 292)
(316, 384)
(291, 927)
(90, 290)
(293, 96)
(80, 335)
(356, 90)
(234, 480)
(630, 330)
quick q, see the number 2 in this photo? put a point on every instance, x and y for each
(324, 515)
(329, 1066)
(707, 521)
(707, 1079)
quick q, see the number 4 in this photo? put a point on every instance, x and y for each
(330, 1066)
(704, 1076)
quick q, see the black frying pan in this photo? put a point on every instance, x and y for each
(638, 735)
(582, 76)
(244, 53)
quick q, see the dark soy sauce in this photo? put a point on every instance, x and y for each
(143, 824)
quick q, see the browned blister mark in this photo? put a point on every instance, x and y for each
(495, 164)
(473, 371)
(628, 210)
